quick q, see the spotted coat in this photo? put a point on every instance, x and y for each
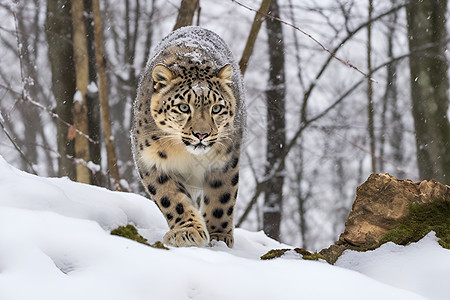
(186, 142)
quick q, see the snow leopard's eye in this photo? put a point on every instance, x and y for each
(216, 108)
(184, 108)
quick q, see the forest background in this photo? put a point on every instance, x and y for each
(337, 90)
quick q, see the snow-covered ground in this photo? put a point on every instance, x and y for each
(55, 244)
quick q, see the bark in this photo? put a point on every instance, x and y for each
(276, 127)
(79, 110)
(103, 94)
(186, 13)
(390, 105)
(429, 87)
(257, 21)
(58, 29)
(92, 101)
(370, 107)
(127, 85)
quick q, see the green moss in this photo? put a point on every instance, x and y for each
(275, 253)
(423, 218)
(304, 253)
(159, 245)
(314, 256)
(130, 232)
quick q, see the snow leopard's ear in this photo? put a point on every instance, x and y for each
(162, 76)
(225, 73)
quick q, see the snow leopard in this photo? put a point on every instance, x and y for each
(188, 125)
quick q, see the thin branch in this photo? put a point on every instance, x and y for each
(26, 97)
(15, 145)
(329, 59)
(297, 47)
(256, 26)
(94, 168)
(259, 188)
(347, 63)
(103, 95)
(148, 40)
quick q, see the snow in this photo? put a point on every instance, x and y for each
(92, 88)
(93, 166)
(425, 270)
(55, 244)
(77, 97)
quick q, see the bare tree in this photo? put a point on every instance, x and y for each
(276, 125)
(58, 29)
(92, 98)
(392, 127)
(27, 46)
(429, 87)
(79, 110)
(370, 106)
(103, 93)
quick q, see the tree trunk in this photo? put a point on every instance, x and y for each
(276, 127)
(148, 41)
(370, 107)
(429, 86)
(82, 80)
(92, 101)
(186, 13)
(58, 29)
(32, 121)
(395, 130)
(103, 94)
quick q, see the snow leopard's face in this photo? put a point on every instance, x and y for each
(195, 106)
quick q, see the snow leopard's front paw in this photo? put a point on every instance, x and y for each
(224, 237)
(186, 237)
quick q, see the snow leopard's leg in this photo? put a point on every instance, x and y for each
(220, 194)
(187, 227)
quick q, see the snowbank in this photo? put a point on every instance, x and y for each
(55, 244)
(421, 267)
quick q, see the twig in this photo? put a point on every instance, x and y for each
(26, 97)
(15, 145)
(350, 34)
(347, 63)
(95, 168)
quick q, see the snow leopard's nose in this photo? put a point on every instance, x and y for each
(200, 136)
